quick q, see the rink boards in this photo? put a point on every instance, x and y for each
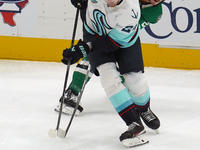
(40, 30)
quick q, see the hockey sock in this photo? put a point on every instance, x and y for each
(124, 106)
(77, 81)
(79, 75)
(143, 108)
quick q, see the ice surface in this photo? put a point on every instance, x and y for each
(29, 91)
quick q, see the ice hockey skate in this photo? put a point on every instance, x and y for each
(134, 136)
(70, 99)
(151, 120)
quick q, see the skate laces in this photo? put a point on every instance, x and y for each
(148, 115)
(73, 97)
(70, 96)
(132, 126)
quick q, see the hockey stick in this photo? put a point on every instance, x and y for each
(53, 132)
(62, 133)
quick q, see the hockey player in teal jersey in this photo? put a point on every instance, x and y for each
(150, 14)
(143, 107)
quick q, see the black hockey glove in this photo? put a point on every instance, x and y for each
(83, 3)
(80, 50)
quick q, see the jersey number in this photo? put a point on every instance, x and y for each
(128, 29)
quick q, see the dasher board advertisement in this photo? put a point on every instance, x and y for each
(178, 27)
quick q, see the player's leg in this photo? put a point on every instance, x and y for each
(139, 90)
(122, 102)
(74, 88)
(132, 69)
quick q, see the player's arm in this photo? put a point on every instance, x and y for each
(150, 15)
(153, 2)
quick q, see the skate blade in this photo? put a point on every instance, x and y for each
(68, 111)
(157, 131)
(133, 142)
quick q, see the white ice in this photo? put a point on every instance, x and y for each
(29, 91)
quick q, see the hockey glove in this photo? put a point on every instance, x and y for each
(83, 3)
(75, 53)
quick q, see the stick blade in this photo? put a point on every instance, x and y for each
(52, 133)
(61, 133)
